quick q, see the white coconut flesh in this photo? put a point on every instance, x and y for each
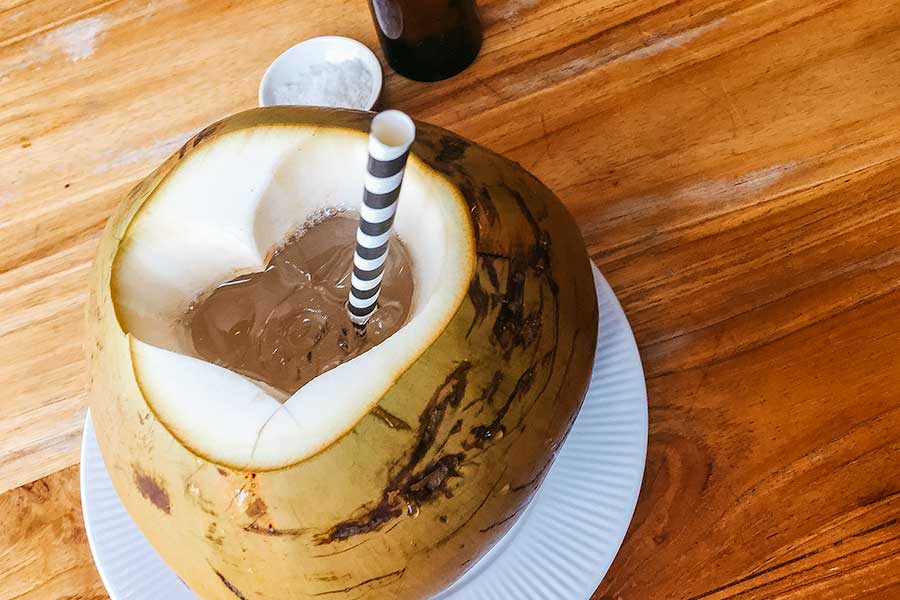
(222, 212)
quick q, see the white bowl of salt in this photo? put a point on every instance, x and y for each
(330, 70)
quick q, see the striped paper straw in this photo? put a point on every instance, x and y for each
(390, 137)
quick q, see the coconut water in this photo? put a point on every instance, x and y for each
(288, 323)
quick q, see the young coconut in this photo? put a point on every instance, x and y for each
(390, 475)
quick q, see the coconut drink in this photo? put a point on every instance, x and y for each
(385, 475)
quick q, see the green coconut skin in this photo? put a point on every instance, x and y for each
(426, 483)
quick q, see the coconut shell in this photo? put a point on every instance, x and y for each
(427, 482)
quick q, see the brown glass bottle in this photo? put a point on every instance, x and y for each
(428, 40)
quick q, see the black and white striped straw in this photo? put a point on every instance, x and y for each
(390, 137)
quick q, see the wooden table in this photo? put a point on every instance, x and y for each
(735, 168)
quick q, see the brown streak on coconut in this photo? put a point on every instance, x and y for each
(508, 327)
(513, 328)
(274, 532)
(353, 547)
(536, 478)
(457, 427)
(389, 419)
(330, 577)
(452, 149)
(490, 269)
(256, 509)
(405, 484)
(487, 395)
(527, 330)
(204, 133)
(434, 413)
(468, 520)
(485, 203)
(373, 520)
(230, 586)
(575, 336)
(490, 254)
(481, 302)
(425, 487)
(500, 522)
(152, 490)
(545, 362)
(542, 470)
(471, 516)
(398, 574)
(433, 480)
(211, 535)
(484, 434)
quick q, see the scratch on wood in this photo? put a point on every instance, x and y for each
(659, 44)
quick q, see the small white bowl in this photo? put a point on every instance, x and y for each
(325, 50)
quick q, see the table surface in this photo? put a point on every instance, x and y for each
(735, 169)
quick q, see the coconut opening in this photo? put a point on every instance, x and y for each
(222, 212)
(289, 323)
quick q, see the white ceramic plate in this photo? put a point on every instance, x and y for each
(560, 548)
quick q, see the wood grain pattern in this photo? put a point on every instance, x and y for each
(45, 554)
(735, 168)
